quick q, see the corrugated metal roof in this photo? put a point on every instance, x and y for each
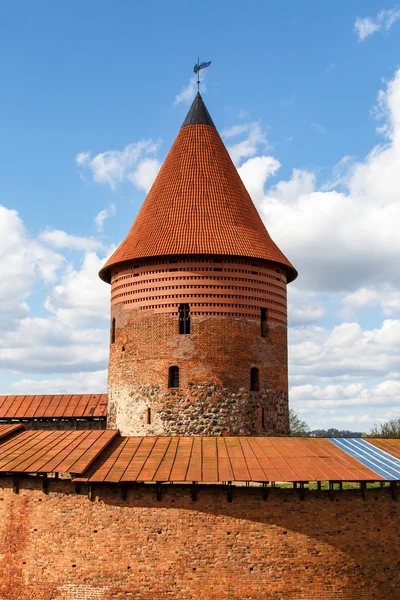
(6, 429)
(217, 459)
(97, 456)
(391, 446)
(53, 406)
(53, 451)
(370, 455)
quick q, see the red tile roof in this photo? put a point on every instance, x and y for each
(198, 205)
(53, 406)
(217, 459)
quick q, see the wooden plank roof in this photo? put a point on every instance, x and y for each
(218, 459)
(53, 406)
(50, 451)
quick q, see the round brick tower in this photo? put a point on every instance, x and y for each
(198, 342)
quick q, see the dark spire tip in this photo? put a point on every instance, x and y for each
(198, 113)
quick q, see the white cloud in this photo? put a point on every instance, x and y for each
(247, 147)
(81, 299)
(339, 406)
(344, 353)
(76, 383)
(332, 396)
(104, 214)
(189, 91)
(44, 345)
(57, 343)
(145, 173)
(333, 372)
(341, 240)
(384, 20)
(82, 158)
(116, 166)
(386, 297)
(341, 174)
(302, 183)
(304, 307)
(254, 173)
(234, 131)
(60, 239)
(24, 262)
(318, 128)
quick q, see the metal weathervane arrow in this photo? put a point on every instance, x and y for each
(197, 68)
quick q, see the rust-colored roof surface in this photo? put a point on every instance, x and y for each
(198, 204)
(216, 459)
(53, 451)
(53, 406)
(391, 446)
(6, 430)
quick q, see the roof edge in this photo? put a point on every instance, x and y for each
(105, 272)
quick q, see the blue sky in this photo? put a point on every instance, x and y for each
(89, 107)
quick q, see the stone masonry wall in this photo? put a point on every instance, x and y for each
(214, 361)
(202, 409)
(62, 546)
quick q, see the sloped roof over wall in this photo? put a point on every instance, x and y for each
(53, 406)
(53, 451)
(211, 459)
(105, 456)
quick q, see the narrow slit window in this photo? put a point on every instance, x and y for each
(184, 319)
(262, 417)
(173, 377)
(113, 331)
(264, 322)
(148, 415)
(254, 380)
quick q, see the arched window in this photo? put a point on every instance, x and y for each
(264, 322)
(254, 383)
(113, 331)
(184, 318)
(173, 377)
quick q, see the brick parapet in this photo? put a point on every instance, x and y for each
(64, 546)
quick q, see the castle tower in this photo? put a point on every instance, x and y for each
(198, 341)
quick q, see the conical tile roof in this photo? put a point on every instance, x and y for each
(198, 204)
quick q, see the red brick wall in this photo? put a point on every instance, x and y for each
(214, 369)
(217, 286)
(225, 295)
(62, 546)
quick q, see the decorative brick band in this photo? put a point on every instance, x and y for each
(219, 286)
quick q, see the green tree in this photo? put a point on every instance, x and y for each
(297, 426)
(389, 429)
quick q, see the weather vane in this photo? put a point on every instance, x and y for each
(197, 68)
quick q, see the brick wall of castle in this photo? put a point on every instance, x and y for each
(214, 396)
(228, 337)
(64, 546)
